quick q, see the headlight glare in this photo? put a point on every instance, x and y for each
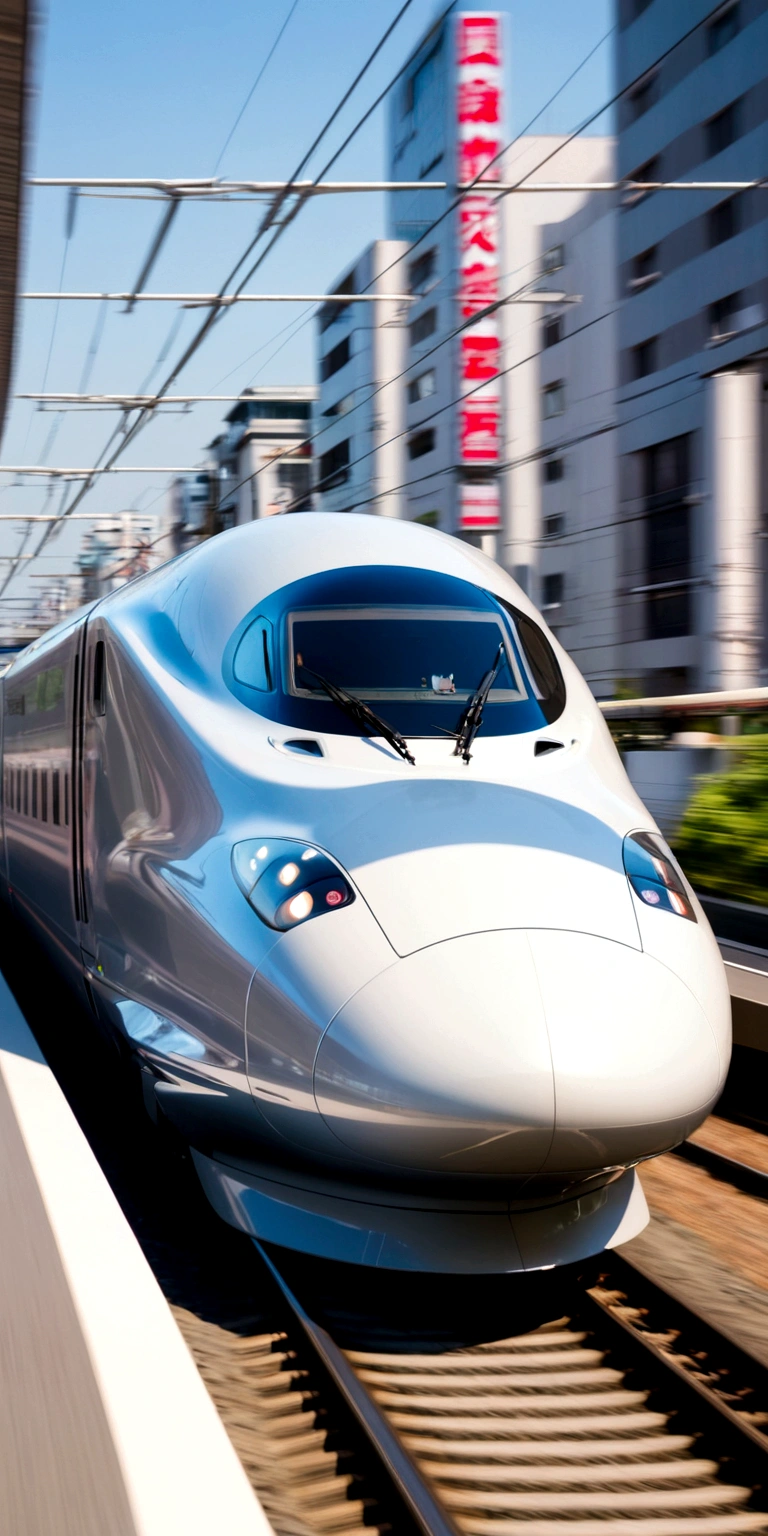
(288, 882)
(654, 875)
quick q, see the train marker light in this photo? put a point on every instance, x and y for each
(655, 876)
(288, 882)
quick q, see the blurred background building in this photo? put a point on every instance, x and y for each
(693, 336)
(114, 550)
(362, 352)
(577, 380)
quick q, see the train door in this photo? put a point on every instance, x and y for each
(89, 693)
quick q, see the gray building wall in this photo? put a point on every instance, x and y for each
(693, 334)
(359, 450)
(577, 548)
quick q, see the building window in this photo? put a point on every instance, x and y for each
(723, 316)
(336, 359)
(645, 269)
(666, 469)
(422, 387)
(644, 96)
(422, 270)
(723, 129)
(552, 470)
(723, 29)
(668, 614)
(421, 443)
(552, 260)
(553, 590)
(330, 312)
(724, 221)
(650, 171)
(553, 330)
(334, 466)
(342, 406)
(553, 400)
(644, 359)
(423, 326)
(554, 527)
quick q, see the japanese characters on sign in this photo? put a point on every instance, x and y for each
(480, 141)
(480, 505)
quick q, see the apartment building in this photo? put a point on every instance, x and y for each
(361, 348)
(693, 342)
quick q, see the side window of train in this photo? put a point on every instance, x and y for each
(99, 680)
(254, 657)
(542, 663)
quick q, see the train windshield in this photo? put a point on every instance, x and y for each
(401, 654)
(414, 645)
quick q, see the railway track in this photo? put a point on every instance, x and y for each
(753, 1181)
(361, 1402)
(626, 1413)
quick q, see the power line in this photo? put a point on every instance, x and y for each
(251, 92)
(265, 224)
(509, 464)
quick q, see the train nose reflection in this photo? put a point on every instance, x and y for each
(443, 1063)
(633, 1054)
(514, 1053)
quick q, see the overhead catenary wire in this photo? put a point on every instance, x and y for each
(264, 225)
(517, 186)
(254, 88)
(425, 235)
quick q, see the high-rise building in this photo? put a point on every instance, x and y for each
(693, 342)
(479, 420)
(361, 410)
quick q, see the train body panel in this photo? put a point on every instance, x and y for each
(472, 1007)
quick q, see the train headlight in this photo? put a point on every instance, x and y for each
(288, 882)
(654, 876)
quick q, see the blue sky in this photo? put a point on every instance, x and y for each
(153, 90)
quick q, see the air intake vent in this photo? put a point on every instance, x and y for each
(304, 744)
(542, 747)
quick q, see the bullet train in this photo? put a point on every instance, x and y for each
(330, 834)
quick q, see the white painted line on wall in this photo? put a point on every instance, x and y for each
(181, 1472)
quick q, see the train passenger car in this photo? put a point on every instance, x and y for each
(332, 837)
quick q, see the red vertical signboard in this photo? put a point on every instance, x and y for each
(480, 140)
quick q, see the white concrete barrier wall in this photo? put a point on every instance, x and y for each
(181, 1474)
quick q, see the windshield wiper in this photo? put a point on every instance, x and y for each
(362, 715)
(472, 717)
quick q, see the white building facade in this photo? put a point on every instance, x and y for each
(361, 409)
(263, 459)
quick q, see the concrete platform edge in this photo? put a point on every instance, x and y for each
(181, 1472)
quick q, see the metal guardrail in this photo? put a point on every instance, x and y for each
(727, 701)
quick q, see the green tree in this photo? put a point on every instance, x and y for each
(722, 841)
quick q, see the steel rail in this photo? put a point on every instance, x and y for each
(429, 1515)
(752, 1181)
(500, 1480)
(753, 1441)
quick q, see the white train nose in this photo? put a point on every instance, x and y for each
(510, 1053)
(635, 1058)
(442, 1062)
